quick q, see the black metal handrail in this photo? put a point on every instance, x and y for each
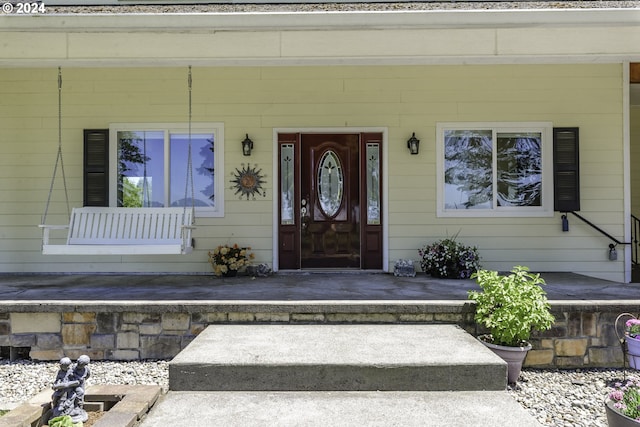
(635, 231)
(618, 242)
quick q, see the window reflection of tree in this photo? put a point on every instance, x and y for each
(519, 171)
(207, 153)
(130, 155)
(468, 158)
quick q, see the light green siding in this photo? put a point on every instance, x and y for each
(255, 100)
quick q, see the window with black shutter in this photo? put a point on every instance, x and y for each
(96, 167)
(566, 169)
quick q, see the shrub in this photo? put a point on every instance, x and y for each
(511, 306)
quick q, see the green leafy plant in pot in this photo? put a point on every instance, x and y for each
(511, 307)
(622, 405)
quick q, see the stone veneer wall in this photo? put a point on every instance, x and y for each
(583, 334)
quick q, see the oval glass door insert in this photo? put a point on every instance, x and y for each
(330, 183)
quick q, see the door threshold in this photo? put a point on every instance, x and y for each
(330, 271)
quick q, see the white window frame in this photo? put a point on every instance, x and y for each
(216, 128)
(545, 210)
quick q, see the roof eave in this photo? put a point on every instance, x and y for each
(291, 21)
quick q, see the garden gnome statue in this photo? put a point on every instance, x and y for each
(69, 388)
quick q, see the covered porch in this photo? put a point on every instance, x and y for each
(298, 286)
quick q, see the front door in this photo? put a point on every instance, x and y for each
(322, 220)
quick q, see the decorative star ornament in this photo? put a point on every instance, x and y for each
(248, 182)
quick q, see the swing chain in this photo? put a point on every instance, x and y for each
(59, 159)
(189, 179)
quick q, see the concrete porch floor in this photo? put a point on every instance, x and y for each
(298, 286)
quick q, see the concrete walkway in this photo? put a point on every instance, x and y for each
(339, 409)
(357, 286)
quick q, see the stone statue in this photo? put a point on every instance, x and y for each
(61, 381)
(69, 389)
(81, 373)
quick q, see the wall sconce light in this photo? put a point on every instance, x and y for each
(247, 146)
(413, 144)
(565, 223)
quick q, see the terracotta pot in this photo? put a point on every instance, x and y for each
(618, 419)
(514, 356)
(633, 352)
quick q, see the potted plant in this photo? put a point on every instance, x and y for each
(226, 260)
(632, 339)
(623, 404)
(447, 258)
(511, 307)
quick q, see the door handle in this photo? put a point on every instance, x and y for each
(304, 213)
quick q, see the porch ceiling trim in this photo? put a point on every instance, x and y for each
(313, 38)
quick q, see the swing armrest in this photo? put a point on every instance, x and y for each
(187, 240)
(46, 228)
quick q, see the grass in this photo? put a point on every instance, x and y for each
(3, 411)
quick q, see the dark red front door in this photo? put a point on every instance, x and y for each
(330, 200)
(323, 187)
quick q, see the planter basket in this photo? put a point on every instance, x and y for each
(616, 418)
(633, 352)
(630, 345)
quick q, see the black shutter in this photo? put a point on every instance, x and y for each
(96, 167)
(566, 170)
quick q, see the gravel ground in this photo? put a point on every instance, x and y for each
(554, 397)
(20, 380)
(343, 7)
(567, 397)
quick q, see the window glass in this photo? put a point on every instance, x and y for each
(373, 183)
(330, 183)
(468, 169)
(140, 169)
(202, 168)
(519, 160)
(286, 184)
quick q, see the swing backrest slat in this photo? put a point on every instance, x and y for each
(129, 226)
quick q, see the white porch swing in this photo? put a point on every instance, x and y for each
(121, 230)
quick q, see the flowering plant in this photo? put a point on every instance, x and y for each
(626, 398)
(633, 328)
(449, 259)
(227, 258)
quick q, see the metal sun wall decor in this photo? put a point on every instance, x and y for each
(248, 182)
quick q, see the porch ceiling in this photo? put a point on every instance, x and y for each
(309, 38)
